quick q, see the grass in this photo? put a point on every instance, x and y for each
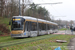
(4, 21)
(44, 44)
(63, 29)
(1, 33)
(8, 39)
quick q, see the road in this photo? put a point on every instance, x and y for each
(66, 32)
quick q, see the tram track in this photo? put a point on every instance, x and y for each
(6, 44)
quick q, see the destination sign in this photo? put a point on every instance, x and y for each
(16, 19)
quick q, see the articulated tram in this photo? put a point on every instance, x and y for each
(25, 26)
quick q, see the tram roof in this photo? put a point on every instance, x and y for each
(32, 18)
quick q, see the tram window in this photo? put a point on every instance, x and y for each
(56, 27)
(53, 27)
(40, 28)
(27, 26)
(17, 25)
(33, 26)
(43, 26)
(48, 26)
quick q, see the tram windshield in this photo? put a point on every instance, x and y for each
(17, 24)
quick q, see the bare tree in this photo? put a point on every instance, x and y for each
(71, 22)
(24, 2)
(10, 8)
(2, 3)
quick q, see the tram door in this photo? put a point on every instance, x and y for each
(27, 29)
(42, 29)
(33, 31)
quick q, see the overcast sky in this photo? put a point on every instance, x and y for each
(64, 11)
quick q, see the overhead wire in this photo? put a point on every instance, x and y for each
(55, 10)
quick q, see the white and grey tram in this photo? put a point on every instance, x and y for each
(25, 26)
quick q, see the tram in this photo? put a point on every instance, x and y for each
(25, 26)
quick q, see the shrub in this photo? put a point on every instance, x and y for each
(1, 33)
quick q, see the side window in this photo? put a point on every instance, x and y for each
(56, 27)
(26, 25)
(51, 26)
(40, 27)
(33, 26)
(48, 26)
(43, 26)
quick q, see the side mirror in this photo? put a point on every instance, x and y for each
(9, 23)
(22, 21)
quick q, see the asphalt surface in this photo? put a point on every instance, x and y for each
(66, 32)
(71, 45)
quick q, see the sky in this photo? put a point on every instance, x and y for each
(63, 11)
